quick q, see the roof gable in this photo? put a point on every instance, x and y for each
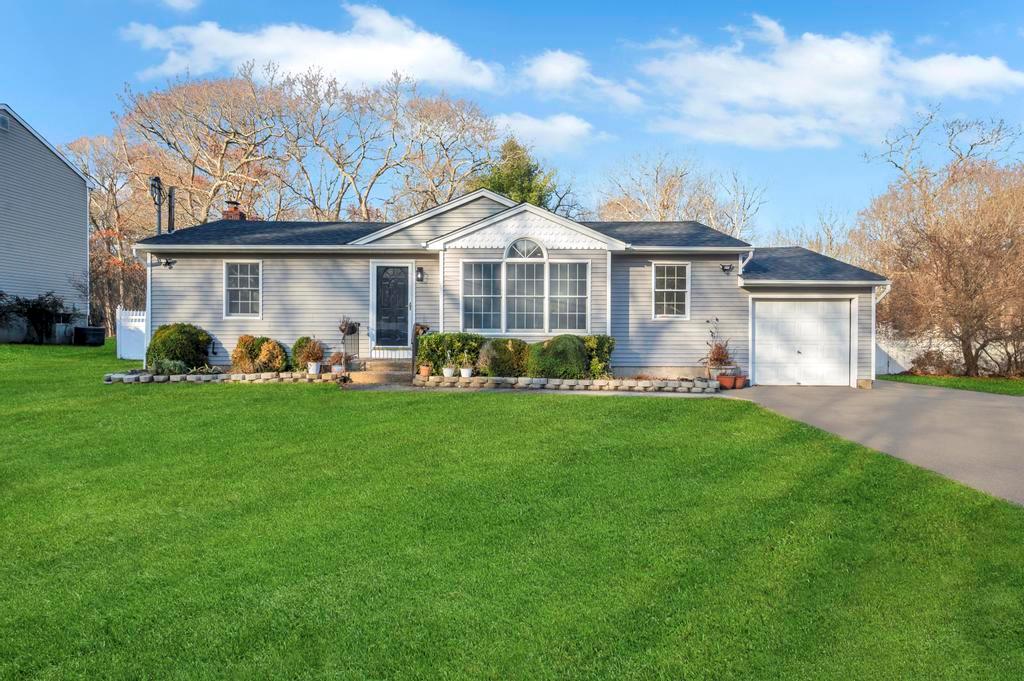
(32, 131)
(525, 219)
(434, 212)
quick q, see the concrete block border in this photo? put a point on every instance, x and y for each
(265, 377)
(696, 385)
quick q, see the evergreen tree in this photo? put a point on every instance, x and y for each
(518, 176)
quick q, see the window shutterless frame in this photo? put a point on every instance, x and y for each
(655, 264)
(462, 295)
(547, 321)
(226, 313)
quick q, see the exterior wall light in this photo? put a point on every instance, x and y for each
(420, 275)
(727, 267)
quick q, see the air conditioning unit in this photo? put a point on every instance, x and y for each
(5, 123)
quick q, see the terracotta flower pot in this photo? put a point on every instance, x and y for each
(727, 381)
(425, 371)
(741, 382)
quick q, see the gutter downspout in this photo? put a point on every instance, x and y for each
(745, 261)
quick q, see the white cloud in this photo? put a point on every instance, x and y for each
(766, 89)
(561, 73)
(181, 5)
(556, 133)
(377, 44)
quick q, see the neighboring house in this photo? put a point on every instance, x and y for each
(485, 264)
(44, 219)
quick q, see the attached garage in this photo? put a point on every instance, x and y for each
(804, 341)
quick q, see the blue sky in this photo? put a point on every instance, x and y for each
(791, 95)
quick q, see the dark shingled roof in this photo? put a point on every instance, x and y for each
(793, 263)
(267, 233)
(270, 233)
(686, 233)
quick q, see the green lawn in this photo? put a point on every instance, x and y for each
(301, 531)
(1000, 386)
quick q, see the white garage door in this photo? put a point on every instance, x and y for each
(802, 342)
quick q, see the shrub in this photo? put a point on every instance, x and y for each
(559, 357)
(599, 355)
(438, 349)
(307, 350)
(243, 357)
(272, 357)
(185, 343)
(503, 357)
(932, 362)
(169, 367)
(40, 314)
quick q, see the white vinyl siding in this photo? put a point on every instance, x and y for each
(439, 225)
(242, 289)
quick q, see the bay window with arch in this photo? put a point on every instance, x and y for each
(526, 292)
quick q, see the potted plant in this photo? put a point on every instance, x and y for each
(449, 366)
(465, 365)
(337, 362)
(726, 379)
(310, 353)
(425, 370)
(718, 358)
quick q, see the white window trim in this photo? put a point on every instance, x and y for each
(547, 301)
(224, 289)
(654, 269)
(462, 295)
(547, 329)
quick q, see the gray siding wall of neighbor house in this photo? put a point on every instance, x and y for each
(865, 348)
(675, 346)
(439, 225)
(598, 286)
(303, 295)
(43, 220)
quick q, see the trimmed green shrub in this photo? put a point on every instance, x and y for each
(182, 342)
(503, 357)
(436, 349)
(559, 357)
(272, 357)
(599, 355)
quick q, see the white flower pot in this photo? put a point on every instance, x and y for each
(466, 372)
(313, 367)
(337, 368)
(448, 372)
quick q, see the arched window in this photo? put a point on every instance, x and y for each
(524, 249)
(525, 292)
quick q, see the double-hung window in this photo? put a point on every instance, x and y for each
(567, 306)
(243, 289)
(671, 290)
(481, 296)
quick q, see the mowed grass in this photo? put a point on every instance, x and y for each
(1000, 386)
(272, 531)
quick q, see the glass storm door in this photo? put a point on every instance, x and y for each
(392, 282)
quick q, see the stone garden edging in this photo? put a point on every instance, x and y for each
(264, 377)
(696, 385)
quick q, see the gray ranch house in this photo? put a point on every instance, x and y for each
(483, 263)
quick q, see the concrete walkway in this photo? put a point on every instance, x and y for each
(976, 438)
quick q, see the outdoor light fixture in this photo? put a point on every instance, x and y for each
(168, 263)
(420, 275)
(727, 267)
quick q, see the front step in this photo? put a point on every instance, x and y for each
(381, 377)
(389, 365)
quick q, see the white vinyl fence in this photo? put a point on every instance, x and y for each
(131, 334)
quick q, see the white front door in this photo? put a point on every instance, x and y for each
(802, 342)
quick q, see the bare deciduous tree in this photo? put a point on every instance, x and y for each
(830, 236)
(659, 188)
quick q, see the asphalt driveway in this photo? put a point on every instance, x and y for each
(976, 438)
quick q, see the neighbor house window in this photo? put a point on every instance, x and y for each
(671, 292)
(568, 296)
(242, 288)
(481, 296)
(525, 292)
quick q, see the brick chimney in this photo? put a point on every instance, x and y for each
(232, 212)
